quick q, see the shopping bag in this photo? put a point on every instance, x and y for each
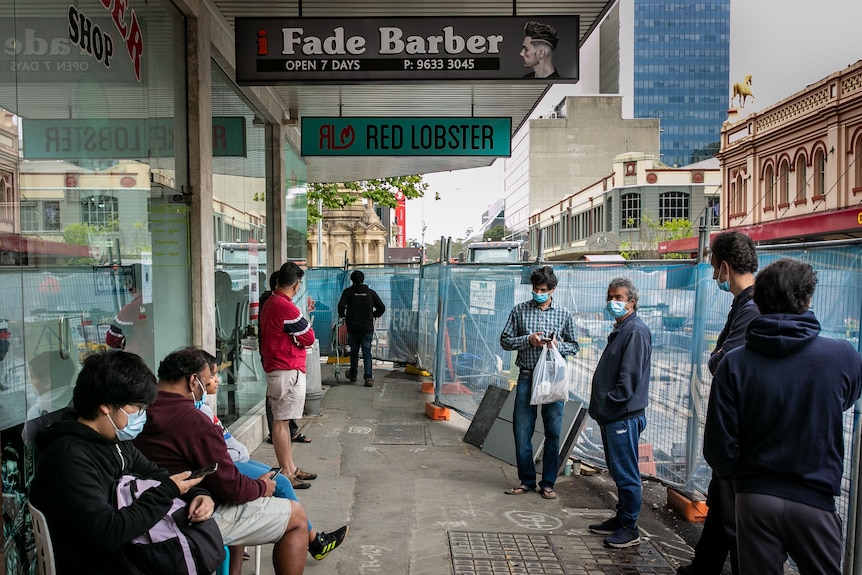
(550, 378)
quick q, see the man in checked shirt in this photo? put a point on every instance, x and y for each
(531, 326)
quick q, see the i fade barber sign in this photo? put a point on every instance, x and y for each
(308, 50)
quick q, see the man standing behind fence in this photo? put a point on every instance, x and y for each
(531, 326)
(734, 261)
(361, 306)
(775, 427)
(618, 402)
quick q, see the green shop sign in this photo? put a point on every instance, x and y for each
(120, 138)
(406, 136)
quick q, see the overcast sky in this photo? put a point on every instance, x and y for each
(784, 44)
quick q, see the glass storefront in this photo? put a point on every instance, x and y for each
(239, 222)
(94, 227)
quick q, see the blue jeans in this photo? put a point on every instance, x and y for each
(283, 488)
(357, 340)
(524, 424)
(620, 440)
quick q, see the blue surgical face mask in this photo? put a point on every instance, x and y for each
(617, 309)
(722, 285)
(541, 297)
(199, 402)
(134, 426)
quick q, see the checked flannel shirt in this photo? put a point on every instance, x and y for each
(526, 318)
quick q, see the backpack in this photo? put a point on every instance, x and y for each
(173, 546)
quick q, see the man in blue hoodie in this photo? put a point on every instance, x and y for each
(775, 427)
(618, 402)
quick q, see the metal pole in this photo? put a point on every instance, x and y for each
(320, 232)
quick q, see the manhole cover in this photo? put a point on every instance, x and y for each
(476, 553)
(399, 435)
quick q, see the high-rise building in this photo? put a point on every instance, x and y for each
(672, 63)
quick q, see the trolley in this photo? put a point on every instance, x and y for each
(340, 351)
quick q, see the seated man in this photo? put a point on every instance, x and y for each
(179, 436)
(319, 543)
(82, 457)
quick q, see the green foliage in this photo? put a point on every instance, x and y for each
(432, 250)
(650, 233)
(495, 234)
(381, 191)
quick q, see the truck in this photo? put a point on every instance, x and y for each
(502, 252)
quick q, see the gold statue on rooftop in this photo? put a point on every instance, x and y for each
(742, 90)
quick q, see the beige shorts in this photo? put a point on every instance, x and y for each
(286, 392)
(257, 522)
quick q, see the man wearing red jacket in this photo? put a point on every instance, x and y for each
(284, 335)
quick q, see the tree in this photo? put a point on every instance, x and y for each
(432, 250)
(381, 191)
(651, 232)
(495, 234)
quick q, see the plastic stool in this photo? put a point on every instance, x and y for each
(224, 568)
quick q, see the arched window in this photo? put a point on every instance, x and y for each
(783, 183)
(672, 206)
(740, 196)
(857, 156)
(819, 173)
(801, 179)
(769, 188)
(630, 211)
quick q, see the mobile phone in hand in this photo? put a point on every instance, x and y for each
(204, 471)
(273, 472)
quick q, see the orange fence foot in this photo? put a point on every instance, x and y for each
(436, 412)
(692, 511)
(427, 387)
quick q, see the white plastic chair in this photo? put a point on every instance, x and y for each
(44, 547)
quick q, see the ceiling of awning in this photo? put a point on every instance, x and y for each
(413, 99)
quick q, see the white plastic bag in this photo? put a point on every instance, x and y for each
(550, 378)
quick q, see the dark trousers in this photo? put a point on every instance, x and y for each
(770, 528)
(719, 531)
(361, 341)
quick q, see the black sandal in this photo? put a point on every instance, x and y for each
(300, 438)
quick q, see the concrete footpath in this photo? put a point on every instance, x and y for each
(420, 501)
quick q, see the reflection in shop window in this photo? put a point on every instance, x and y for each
(52, 215)
(99, 211)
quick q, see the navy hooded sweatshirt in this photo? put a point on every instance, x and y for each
(775, 422)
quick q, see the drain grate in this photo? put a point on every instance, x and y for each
(483, 553)
(476, 553)
(399, 435)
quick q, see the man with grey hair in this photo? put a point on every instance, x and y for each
(618, 404)
(537, 50)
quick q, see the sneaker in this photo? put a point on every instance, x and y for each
(326, 542)
(608, 527)
(351, 378)
(369, 382)
(623, 537)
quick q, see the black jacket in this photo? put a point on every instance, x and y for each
(775, 419)
(74, 486)
(360, 305)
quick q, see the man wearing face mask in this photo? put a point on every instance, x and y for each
(284, 335)
(82, 457)
(179, 436)
(734, 261)
(618, 402)
(531, 326)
